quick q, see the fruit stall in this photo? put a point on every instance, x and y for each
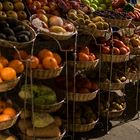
(68, 68)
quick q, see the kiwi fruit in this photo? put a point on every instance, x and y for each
(97, 19)
(8, 32)
(92, 26)
(4, 24)
(105, 25)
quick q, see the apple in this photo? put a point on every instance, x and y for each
(12, 14)
(93, 5)
(18, 6)
(41, 11)
(22, 15)
(43, 17)
(7, 5)
(69, 27)
(29, 2)
(52, 5)
(43, 2)
(2, 14)
(36, 4)
(1, 6)
(46, 8)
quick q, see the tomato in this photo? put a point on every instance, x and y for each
(128, 49)
(117, 43)
(116, 51)
(105, 49)
(123, 50)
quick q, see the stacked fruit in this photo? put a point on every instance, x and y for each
(98, 4)
(83, 21)
(12, 30)
(7, 111)
(13, 9)
(52, 23)
(45, 59)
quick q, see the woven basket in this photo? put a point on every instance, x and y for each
(127, 31)
(133, 76)
(136, 23)
(82, 127)
(135, 51)
(24, 137)
(9, 85)
(112, 86)
(7, 124)
(114, 58)
(84, 64)
(113, 114)
(118, 22)
(45, 73)
(18, 45)
(82, 97)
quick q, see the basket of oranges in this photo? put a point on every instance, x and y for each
(8, 114)
(46, 64)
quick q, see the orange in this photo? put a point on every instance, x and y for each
(49, 62)
(17, 65)
(9, 111)
(2, 106)
(1, 80)
(34, 61)
(23, 54)
(44, 53)
(85, 50)
(4, 117)
(3, 61)
(1, 66)
(83, 57)
(8, 73)
(57, 57)
(40, 66)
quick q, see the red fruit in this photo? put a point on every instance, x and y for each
(117, 43)
(85, 50)
(55, 21)
(92, 57)
(116, 51)
(132, 15)
(83, 57)
(123, 50)
(128, 49)
(41, 11)
(105, 49)
(94, 86)
(69, 27)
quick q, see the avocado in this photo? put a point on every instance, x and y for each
(19, 28)
(12, 22)
(12, 38)
(2, 36)
(24, 32)
(23, 38)
(7, 31)
(3, 24)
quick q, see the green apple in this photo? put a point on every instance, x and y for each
(94, 6)
(86, 2)
(100, 9)
(103, 6)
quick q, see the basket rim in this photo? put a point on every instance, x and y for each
(71, 61)
(120, 55)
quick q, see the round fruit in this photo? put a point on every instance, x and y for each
(9, 32)
(123, 50)
(1, 6)
(8, 73)
(2, 14)
(12, 14)
(2, 36)
(85, 50)
(21, 55)
(17, 65)
(55, 21)
(34, 61)
(23, 38)
(4, 117)
(1, 66)
(12, 38)
(9, 111)
(7, 5)
(116, 51)
(83, 57)
(44, 53)
(18, 6)
(3, 61)
(57, 58)
(22, 15)
(49, 62)
(92, 57)
(105, 50)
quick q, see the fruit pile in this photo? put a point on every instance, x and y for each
(9, 70)
(117, 103)
(46, 125)
(52, 24)
(12, 30)
(84, 21)
(7, 111)
(13, 9)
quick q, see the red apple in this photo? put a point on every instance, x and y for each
(36, 4)
(41, 11)
(69, 27)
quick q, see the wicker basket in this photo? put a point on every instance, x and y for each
(133, 76)
(113, 114)
(127, 31)
(82, 97)
(84, 64)
(45, 73)
(136, 23)
(82, 127)
(135, 51)
(112, 86)
(9, 85)
(114, 58)
(118, 22)
(25, 137)
(18, 45)
(7, 124)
